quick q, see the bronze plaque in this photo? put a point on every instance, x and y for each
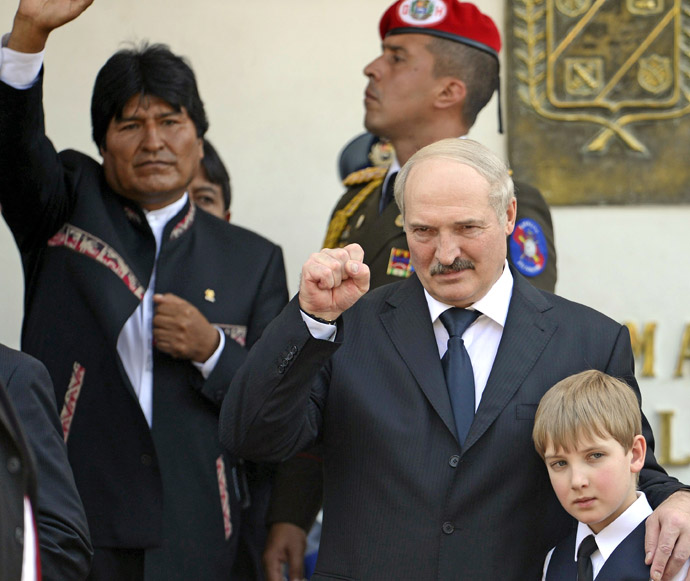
(598, 99)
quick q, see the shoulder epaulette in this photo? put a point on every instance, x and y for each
(365, 175)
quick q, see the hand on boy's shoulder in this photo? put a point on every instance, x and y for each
(667, 542)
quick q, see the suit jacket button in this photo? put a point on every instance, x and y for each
(13, 465)
(448, 528)
(146, 459)
(454, 461)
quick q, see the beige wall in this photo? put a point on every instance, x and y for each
(283, 85)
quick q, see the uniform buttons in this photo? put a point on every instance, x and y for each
(448, 528)
(146, 459)
(13, 465)
(282, 367)
(19, 535)
(454, 461)
(294, 350)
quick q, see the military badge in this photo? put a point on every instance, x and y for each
(381, 153)
(210, 295)
(426, 12)
(528, 249)
(399, 263)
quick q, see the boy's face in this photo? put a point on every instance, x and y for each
(596, 482)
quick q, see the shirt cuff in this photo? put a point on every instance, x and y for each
(209, 365)
(19, 70)
(318, 330)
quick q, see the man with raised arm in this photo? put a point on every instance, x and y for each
(141, 307)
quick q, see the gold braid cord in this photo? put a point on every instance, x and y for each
(341, 217)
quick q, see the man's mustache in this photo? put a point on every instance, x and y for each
(458, 265)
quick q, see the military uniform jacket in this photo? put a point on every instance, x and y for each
(88, 255)
(356, 218)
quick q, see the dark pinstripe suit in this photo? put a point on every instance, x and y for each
(402, 500)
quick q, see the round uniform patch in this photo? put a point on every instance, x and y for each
(528, 249)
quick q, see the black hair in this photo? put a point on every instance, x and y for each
(478, 69)
(147, 70)
(216, 172)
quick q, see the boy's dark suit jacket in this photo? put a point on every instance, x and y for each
(626, 563)
(63, 534)
(402, 500)
(88, 256)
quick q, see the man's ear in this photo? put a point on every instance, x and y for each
(639, 452)
(451, 92)
(511, 215)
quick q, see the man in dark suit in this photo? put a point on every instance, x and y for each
(63, 535)
(408, 495)
(140, 306)
(437, 70)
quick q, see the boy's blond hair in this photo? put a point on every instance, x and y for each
(588, 403)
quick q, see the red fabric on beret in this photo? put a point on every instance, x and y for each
(451, 19)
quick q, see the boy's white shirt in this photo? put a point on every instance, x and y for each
(612, 535)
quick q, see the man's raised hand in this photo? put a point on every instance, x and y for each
(36, 19)
(332, 281)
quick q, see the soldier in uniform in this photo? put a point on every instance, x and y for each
(438, 68)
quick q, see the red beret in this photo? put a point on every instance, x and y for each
(451, 19)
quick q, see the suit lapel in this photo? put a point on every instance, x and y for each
(527, 331)
(409, 327)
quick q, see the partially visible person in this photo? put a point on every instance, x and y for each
(210, 189)
(588, 430)
(19, 550)
(63, 535)
(141, 306)
(427, 477)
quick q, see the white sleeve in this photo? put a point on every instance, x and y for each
(323, 331)
(209, 365)
(19, 69)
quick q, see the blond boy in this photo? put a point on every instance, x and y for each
(588, 430)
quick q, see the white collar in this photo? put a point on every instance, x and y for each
(494, 304)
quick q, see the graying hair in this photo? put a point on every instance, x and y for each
(472, 154)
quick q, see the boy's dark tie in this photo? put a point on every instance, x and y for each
(584, 563)
(457, 368)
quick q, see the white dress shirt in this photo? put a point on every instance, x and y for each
(483, 336)
(135, 342)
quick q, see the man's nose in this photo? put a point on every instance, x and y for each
(372, 70)
(447, 249)
(152, 139)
